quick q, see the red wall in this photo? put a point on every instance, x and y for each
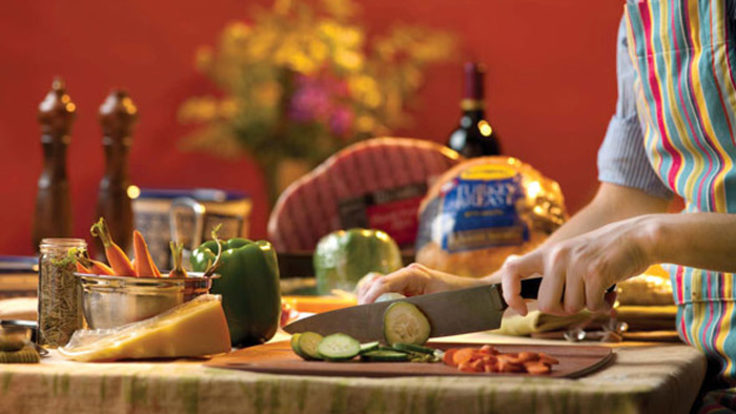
(551, 88)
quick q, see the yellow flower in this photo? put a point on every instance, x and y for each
(348, 60)
(365, 89)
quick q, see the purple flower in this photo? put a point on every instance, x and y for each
(309, 102)
(340, 121)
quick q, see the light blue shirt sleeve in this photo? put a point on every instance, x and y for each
(622, 158)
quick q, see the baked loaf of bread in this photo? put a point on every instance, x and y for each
(483, 210)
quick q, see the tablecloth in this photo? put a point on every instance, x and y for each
(647, 379)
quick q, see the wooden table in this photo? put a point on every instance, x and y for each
(652, 378)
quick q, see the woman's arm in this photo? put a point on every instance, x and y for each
(701, 240)
(611, 203)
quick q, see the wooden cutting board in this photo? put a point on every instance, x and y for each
(278, 358)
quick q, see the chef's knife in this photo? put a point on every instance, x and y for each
(449, 313)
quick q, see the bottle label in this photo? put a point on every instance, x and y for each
(480, 209)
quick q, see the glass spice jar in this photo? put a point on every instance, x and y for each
(59, 294)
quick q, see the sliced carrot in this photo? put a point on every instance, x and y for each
(528, 356)
(537, 368)
(477, 365)
(463, 355)
(144, 265)
(447, 358)
(117, 258)
(509, 358)
(505, 366)
(487, 349)
(490, 366)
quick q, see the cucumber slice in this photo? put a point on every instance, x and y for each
(295, 346)
(385, 356)
(338, 347)
(370, 346)
(308, 343)
(404, 323)
(412, 348)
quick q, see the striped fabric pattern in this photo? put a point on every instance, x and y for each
(684, 56)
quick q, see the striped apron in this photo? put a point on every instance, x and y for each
(683, 52)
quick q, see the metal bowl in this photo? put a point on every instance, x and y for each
(112, 301)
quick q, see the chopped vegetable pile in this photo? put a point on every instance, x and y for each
(489, 359)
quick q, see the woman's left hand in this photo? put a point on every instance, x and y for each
(577, 272)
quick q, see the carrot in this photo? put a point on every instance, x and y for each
(528, 356)
(536, 368)
(448, 357)
(82, 269)
(91, 266)
(463, 355)
(117, 258)
(177, 251)
(144, 265)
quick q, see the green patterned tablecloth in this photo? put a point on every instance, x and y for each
(662, 378)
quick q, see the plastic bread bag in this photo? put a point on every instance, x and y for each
(483, 210)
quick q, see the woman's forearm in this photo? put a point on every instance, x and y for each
(611, 203)
(701, 240)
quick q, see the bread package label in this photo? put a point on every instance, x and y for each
(483, 210)
(479, 210)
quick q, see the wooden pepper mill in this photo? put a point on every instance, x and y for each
(53, 215)
(118, 114)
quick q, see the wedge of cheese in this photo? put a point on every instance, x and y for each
(194, 328)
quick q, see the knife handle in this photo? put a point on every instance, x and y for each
(530, 288)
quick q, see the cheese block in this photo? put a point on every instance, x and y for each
(374, 184)
(194, 328)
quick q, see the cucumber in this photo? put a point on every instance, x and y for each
(370, 346)
(412, 348)
(404, 323)
(308, 342)
(338, 347)
(385, 356)
(295, 346)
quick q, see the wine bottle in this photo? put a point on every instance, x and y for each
(474, 137)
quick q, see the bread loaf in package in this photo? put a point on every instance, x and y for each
(483, 210)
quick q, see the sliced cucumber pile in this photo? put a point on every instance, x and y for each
(404, 323)
(369, 346)
(381, 355)
(338, 347)
(307, 344)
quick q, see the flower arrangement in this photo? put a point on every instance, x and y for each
(302, 81)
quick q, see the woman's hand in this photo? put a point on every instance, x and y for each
(412, 280)
(577, 271)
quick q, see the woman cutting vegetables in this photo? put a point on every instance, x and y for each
(674, 132)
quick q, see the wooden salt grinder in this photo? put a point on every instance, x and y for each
(53, 214)
(118, 114)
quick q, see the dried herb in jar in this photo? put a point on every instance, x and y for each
(59, 294)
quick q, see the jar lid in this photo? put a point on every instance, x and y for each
(62, 242)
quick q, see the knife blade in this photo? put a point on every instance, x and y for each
(449, 313)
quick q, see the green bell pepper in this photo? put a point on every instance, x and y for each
(249, 285)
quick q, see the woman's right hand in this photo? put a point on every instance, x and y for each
(412, 280)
